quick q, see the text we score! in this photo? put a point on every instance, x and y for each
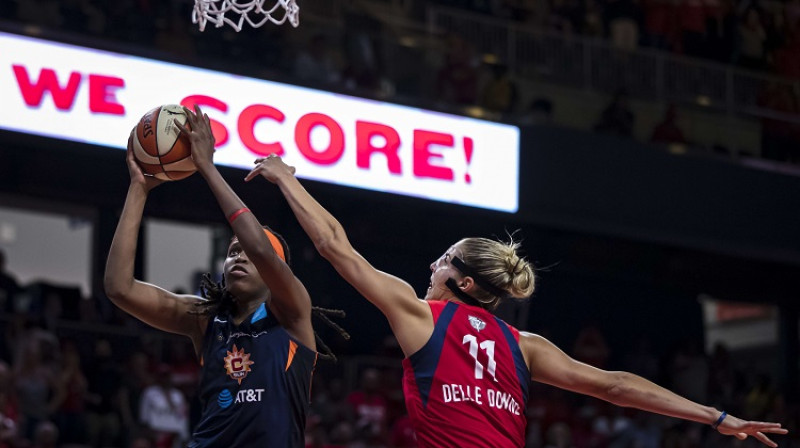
(371, 137)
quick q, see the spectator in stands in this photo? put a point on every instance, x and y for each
(35, 382)
(104, 401)
(402, 433)
(142, 441)
(565, 16)
(617, 117)
(328, 403)
(761, 397)
(457, 80)
(721, 30)
(500, 92)
(559, 436)
(659, 23)
(46, 435)
(135, 379)
(724, 379)
(315, 64)
(668, 130)
(692, 26)
(369, 406)
(592, 20)
(622, 19)
(364, 65)
(752, 41)
(540, 111)
(164, 411)
(9, 413)
(69, 401)
(787, 56)
(9, 287)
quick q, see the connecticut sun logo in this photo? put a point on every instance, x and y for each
(237, 364)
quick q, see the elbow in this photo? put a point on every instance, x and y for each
(618, 389)
(332, 243)
(115, 289)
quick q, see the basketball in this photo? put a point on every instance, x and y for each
(159, 146)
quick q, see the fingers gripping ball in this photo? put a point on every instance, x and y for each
(159, 146)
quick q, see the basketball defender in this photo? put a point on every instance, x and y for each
(466, 372)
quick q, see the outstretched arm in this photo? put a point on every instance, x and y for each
(409, 317)
(290, 300)
(548, 364)
(151, 304)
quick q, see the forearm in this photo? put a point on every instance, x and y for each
(631, 390)
(318, 223)
(246, 227)
(118, 277)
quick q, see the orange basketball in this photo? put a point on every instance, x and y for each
(159, 146)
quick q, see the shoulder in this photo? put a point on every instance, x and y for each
(532, 344)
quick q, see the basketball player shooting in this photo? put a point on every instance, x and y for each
(252, 333)
(466, 372)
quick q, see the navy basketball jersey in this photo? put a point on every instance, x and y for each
(255, 386)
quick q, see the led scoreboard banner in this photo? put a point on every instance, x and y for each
(86, 95)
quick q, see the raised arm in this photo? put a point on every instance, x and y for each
(290, 300)
(409, 317)
(149, 303)
(548, 364)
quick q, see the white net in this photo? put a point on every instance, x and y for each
(240, 11)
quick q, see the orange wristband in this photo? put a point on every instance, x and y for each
(236, 214)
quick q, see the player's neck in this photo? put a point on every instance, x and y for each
(244, 308)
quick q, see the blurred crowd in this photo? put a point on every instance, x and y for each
(69, 379)
(365, 58)
(753, 34)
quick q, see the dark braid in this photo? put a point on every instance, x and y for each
(218, 299)
(323, 314)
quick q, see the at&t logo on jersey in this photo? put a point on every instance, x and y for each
(476, 323)
(225, 398)
(237, 364)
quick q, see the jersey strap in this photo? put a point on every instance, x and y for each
(519, 361)
(426, 359)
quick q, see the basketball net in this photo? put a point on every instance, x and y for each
(250, 11)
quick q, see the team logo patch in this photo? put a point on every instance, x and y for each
(237, 364)
(476, 323)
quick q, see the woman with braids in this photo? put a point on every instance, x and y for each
(466, 372)
(252, 332)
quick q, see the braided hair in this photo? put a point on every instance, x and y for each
(220, 301)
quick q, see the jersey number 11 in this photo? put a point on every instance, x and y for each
(488, 347)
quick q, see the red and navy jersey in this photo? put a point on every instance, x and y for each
(255, 386)
(468, 386)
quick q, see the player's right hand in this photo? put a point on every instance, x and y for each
(271, 167)
(137, 176)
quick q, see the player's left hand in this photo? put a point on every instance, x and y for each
(741, 429)
(138, 177)
(271, 167)
(200, 136)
